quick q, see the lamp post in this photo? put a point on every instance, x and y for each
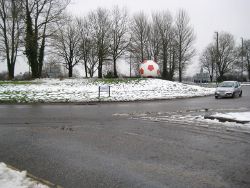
(242, 66)
(217, 56)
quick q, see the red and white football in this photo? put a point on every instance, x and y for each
(149, 69)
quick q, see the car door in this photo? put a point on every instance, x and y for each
(237, 88)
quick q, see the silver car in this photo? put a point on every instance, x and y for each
(228, 89)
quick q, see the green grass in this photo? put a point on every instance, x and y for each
(16, 82)
(118, 80)
(13, 97)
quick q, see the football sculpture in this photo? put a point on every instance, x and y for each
(149, 69)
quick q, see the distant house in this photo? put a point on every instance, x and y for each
(202, 77)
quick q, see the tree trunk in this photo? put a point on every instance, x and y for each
(100, 69)
(31, 44)
(70, 71)
(34, 70)
(115, 70)
(142, 53)
(164, 67)
(11, 69)
(172, 66)
(248, 67)
(41, 57)
(180, 60)
(180, 75)
(86, 69)
(211, 78)
(91, 73)
(180, 69)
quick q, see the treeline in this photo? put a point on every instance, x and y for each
(26, 26)
(224, 59)
(42, 30)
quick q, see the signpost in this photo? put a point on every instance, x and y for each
(104, 89)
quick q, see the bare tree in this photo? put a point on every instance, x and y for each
(208, 60)
(185, 38)
(67, 44)
(153, 46)
(247, 55)
(119, 35)
(140, 31)
(40, 18)
(173, 55)
(86, 42)
(92, 65)
(100, 31)
(10, 32)
(88, 47)
(164, 23)
(242, 62)
(226, 54)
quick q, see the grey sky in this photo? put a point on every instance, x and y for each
(207, 16)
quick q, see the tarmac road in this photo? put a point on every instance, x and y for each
(102, 145)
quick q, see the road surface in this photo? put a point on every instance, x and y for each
(135, 145)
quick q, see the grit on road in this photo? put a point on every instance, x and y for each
(103, 145)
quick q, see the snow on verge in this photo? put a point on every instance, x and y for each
(14, 179)
(86, 90)
(238, 116)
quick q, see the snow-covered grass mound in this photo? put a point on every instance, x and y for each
(10, 178)
(86, 90)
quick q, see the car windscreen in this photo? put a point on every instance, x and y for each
(226, 84)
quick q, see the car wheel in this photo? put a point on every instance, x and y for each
(240, 94)
(216, 97)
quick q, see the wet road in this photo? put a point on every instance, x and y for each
(102, 145)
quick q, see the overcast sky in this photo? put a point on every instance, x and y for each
(206, 16)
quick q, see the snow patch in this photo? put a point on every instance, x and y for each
(238, 116)
(86, 90)
(10, 178)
